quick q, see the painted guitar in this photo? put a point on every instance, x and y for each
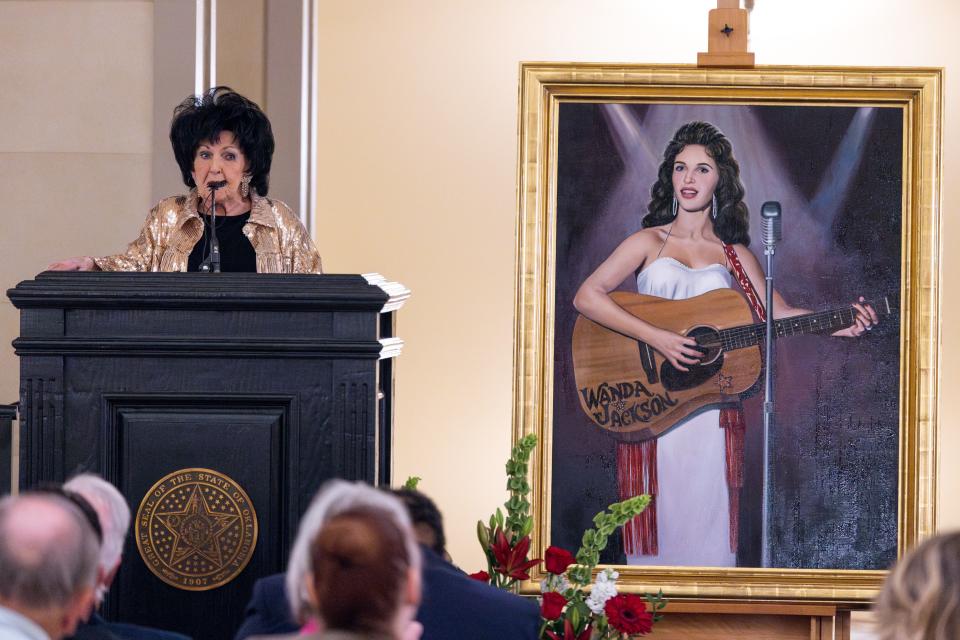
(627, 387)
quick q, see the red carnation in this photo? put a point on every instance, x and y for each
(628, 614)
(512, 561)
(568, 633)
(482, 576)
(557, 560)
(552, 606)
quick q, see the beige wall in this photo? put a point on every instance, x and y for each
(241, 44)
(417, 177)
(75, 155)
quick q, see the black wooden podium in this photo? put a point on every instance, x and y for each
(274, 382)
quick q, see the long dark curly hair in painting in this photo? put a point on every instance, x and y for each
(732, 223)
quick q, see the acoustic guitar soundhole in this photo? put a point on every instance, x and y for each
(708, 341)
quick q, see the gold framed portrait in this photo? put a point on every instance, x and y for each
(853, 157)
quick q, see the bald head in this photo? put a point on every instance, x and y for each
(48, 551)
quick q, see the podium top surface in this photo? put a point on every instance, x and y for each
(221, 291)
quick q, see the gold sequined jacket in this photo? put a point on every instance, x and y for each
(173, 227)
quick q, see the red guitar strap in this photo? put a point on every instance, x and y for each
(744, 281)
(731, 417)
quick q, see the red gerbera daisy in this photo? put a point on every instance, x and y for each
(627, 613)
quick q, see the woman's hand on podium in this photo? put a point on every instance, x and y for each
(83, 263)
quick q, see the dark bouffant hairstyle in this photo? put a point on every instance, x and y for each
(360, 567)
(732, 224)
(424, 511)
(203, 118)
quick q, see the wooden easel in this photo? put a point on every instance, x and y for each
(692, 620)
(727, 37)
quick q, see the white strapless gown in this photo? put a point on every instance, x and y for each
(693, 505)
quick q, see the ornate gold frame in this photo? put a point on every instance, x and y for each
(543, 86)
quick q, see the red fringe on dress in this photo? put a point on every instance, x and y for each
(734, 426)
(637, 475)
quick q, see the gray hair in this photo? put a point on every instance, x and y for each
(335, 497)
(112, 511)
(48, 550)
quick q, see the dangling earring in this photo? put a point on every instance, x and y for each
(714, 210)
(245, 185)
(674, 210)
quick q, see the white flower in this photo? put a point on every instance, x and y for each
(554, 583)
(603, 589)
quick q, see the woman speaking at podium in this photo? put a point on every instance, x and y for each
(224, 145)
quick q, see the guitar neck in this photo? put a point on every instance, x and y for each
(811, 323)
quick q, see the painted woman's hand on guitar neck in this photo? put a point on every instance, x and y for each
(866, 318)
(677, 349)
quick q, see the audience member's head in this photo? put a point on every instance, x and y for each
(48, 561)
(427, 519)
(334, 499)
(362, 575)
(114, 517)
(921, 598)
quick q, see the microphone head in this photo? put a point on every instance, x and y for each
(770, 223)
(218, 184)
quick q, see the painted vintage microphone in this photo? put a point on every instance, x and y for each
(772, 233)
(212, 261)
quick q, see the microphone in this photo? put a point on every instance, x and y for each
(771, 223)
(212, 262)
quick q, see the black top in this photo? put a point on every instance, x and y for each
(236, 252)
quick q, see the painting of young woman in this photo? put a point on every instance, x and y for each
(665, 200)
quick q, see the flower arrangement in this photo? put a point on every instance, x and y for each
(572, 606)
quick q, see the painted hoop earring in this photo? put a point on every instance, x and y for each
(713, 211)
(674, 210)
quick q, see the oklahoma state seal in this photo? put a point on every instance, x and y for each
(196, 529)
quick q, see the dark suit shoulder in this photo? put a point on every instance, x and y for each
(268, 611)
(127, 631)
(95, 629)
(272, 586)
(481, 611)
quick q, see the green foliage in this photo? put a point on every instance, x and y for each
(518, 506)
(483, 534)
(657, 603)
(516, 523)
(595, 540)
(412, 483)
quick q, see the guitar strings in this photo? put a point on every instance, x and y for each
(748, 335)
